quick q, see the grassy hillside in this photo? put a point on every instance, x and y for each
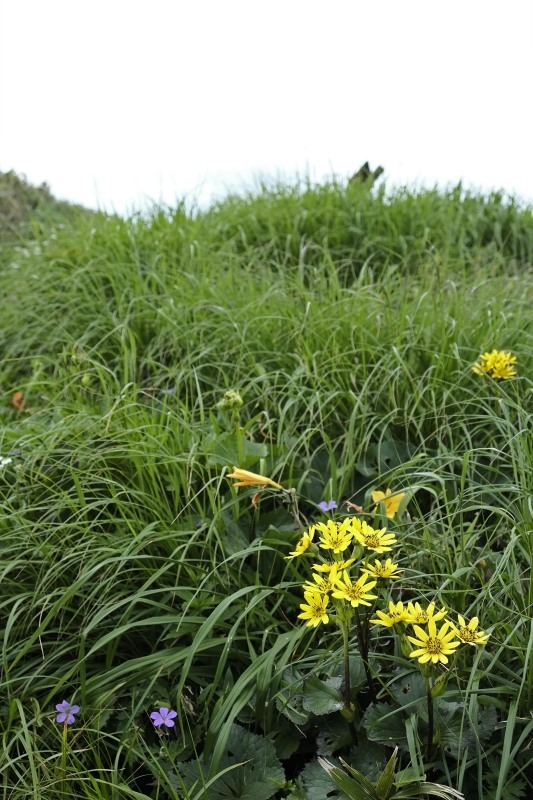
(321, 336)
(25, 208)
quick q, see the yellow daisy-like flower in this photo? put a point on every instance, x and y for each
(304, 543)
(377, 540)
(334, 565)
(357, 593)
(385, 570)
(397, 614)
(498, 364)
(420, 616)
(469, 633)
(246, 478)
(314, 609)
(324, 583)
(335, 536)
(434, 645)
(392, 502)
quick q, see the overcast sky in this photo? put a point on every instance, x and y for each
(113, 102)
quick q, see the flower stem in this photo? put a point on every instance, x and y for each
(431, 723)
(299, 518)
(350, 705)
(64, 760)
(363, 642)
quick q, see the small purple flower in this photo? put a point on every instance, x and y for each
(67, 712)
(163, 717)
(330, 505)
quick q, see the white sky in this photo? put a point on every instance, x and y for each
(115, 101)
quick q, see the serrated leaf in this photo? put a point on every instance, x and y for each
(368, 758)
(320, 697)
(334, 734)
(458, 733)
(248, 770)
(384, 723)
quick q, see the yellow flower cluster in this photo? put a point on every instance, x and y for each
(432, 644)
(331, 580)
(498, 364)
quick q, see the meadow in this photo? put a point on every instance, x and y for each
(322, 338)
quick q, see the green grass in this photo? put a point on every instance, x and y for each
(133, 576)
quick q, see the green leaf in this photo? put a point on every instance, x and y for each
(320, 697)
(356, 786)
(225, 450)
(383, 457)
(318, 785)
(289, 699)
(386, 779)
(248, 770)
(384, 723)
(334, 734)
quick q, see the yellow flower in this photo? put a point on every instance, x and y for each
(419, 616)
(385, 570)
(469, 633)
(335, 536)
(335, 565)
(324, 583)
(392, 502)
(397, 614)
(355, 593)
(378, 540)
(303, 544)
(315, 609)
(434, 645)
(246, 478)
(498, 364)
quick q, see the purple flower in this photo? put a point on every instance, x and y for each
(163, 717)
(67, 711)
(327, 505)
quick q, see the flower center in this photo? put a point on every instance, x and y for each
(434, 646)
(372, 540)
(355, 592)
(467, 635)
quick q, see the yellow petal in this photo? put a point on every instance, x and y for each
(247, 478)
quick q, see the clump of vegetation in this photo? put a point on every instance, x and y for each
(205, 416)
(24, 207)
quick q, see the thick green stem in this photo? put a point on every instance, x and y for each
(347, 682)
(429, 746)
(363, 642)
(350, 705)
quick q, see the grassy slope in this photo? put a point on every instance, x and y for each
(349, 322)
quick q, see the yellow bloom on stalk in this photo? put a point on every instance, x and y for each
(377, 540)
(420, 616)
(246, 478)
(434, 645)
(355, 593)
(385, 570)
(392, 502)
(397, 614)
(315, 609)
(324, 583)
(469, 633)
(335, 536)
(498, 364)
(303, 544)
(338, 565)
